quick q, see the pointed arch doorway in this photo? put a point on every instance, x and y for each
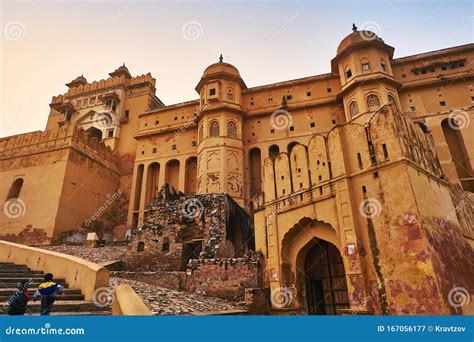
(325, 279)
(312, 262)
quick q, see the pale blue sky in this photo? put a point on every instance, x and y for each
(268, 41)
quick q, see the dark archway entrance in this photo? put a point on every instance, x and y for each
(95, 132)
(326, 286)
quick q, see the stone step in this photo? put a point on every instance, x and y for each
(65, 306)
(14, 267)
(34, 284)
(11, 290)
(35, 278)
(79, 296)
(20, 275)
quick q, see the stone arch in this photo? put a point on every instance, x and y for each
(15, 189)
(190, 175)
(138, 187)
(273, 151)
(153, 177)
(95, 132)
(291, 145)
(255, 163)
(172, 173)
(296, 245)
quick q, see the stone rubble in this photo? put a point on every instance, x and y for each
(163, 301)
(98, 255)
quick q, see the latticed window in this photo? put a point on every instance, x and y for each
(373, 102)
(353, 108)
(201, 132)
(232, 129)
(214, 129)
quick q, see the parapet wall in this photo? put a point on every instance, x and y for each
(79, 274)
(104, 85)
(371, 141)
(54, 139)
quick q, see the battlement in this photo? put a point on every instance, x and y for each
(61, 137)
(361, 146)
(104, 85)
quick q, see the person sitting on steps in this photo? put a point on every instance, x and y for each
(19, 301)
(49, 291)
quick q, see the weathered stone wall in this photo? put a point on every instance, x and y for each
(178, 228)
(225, 278)
(66, 175)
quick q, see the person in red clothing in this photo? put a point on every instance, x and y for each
(19, 301)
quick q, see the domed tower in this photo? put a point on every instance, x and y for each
(363, 63)
(220, 148)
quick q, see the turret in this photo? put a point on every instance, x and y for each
(363, 63)
(220, 149)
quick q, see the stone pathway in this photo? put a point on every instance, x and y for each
(163, 301)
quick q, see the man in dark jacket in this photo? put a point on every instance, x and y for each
(19, 301)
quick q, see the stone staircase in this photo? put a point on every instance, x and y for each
(70, 303)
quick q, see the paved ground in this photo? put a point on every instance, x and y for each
(160, 300)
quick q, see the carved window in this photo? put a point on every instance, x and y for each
(214, 129)
(353, 108)
(232, 129)
(373, 102)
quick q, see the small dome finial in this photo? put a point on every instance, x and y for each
(221, 58)
(354, 27)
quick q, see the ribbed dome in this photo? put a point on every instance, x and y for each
(221, 67)
(357, 37)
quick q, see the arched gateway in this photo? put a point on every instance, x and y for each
(313, 267)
